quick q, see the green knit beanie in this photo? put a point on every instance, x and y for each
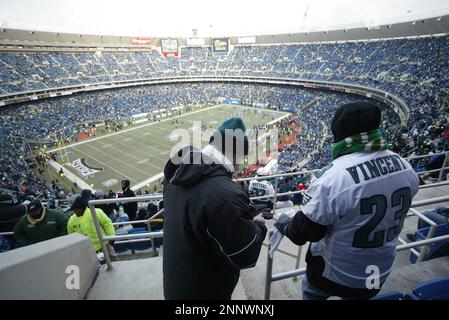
(233, 124)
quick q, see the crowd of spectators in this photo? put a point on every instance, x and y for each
(25, 128)
(414, 69)
(397, 65)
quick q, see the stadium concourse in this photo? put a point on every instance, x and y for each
(416, 70)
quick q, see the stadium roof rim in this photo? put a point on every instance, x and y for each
(43, 46)
(428, 27)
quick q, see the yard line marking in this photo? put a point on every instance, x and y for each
(148, 154)
(133, 128)
(133, 156)
(103, 164)
(143, 144)
(153, 136)
(118, 159)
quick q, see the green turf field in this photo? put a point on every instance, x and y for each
(140, 153)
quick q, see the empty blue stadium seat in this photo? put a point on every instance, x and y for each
(135, 246)
(121, 247)
(5, 244)
(437, 289)
(389, 296)
(436, 250)
(144, 245)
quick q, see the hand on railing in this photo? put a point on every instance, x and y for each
(282, 223)
(259, 218)
(267, 214)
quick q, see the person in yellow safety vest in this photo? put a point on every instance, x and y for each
(83, 223)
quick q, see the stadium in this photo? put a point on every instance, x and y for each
(97, 115)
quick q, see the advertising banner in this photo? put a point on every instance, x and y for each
(142, 41)
(246, 40)
(232, 101)
(195, 42)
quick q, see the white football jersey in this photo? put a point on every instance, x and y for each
(259, 188)
(363, 198)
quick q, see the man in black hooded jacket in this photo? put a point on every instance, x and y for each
(130, 208)
(209, 233)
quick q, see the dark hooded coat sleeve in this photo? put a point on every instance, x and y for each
(301, 229)
(233, 234)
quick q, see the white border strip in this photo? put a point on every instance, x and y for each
(150, 180)
(279, 119)
(70, 175)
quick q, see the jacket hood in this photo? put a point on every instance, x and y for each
(191, 166)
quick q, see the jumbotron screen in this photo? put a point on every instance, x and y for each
(221, 45)
(169, 47)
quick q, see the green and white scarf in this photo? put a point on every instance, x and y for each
(364, 141)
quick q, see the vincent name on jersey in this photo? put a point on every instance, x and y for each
(375, 168)
(260, 185)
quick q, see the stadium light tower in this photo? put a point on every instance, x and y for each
(305, 16)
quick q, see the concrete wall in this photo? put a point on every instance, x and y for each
(428, 26)
(40, 271)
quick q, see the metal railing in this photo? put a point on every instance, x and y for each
(440, 170)
(150, 236)
(135, 237)
(274, 196)
(269, 278)
(131, 238)
(302, 271)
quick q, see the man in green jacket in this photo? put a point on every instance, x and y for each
(83, 223)
(39, 224)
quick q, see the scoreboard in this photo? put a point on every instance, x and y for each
(169, 47)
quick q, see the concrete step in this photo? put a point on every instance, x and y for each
(129, 280)
(404, 278)
(136, 280)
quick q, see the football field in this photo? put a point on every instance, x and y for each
(139, 153)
